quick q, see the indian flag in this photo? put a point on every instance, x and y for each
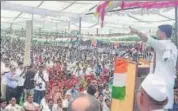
(119, 79)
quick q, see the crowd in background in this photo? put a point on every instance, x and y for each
(58, 74)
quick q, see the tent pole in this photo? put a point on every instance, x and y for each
(29, 34)
(80, 23)
(176, 25)
(69, 26)
(176, 32)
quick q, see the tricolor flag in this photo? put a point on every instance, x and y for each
(119, 79)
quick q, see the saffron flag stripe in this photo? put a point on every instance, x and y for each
(120, 66)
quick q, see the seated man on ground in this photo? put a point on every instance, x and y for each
(3, 104)
(85, 102)
(13, 106)
(29, 105)
(44, 101)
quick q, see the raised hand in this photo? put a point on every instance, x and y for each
(133, 30)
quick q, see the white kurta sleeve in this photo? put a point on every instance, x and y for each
(156, 44)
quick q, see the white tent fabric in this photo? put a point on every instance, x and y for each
(60, 15)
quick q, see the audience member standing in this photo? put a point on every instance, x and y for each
(4, 69)
(20, 71)
(41, 81)
(29, 81)
(12, 80)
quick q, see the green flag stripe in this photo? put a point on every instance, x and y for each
(118, 92)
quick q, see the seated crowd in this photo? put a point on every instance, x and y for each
(57, 79)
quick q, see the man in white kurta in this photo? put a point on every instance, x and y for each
(166, 57)
(4, 70)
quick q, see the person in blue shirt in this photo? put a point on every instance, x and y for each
(11, 86)
(74, 92)
(175, 106)
(97, 69)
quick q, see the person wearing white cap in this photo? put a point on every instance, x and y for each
(152, 95)
(164, 63)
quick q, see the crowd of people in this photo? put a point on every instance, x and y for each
(57, 75)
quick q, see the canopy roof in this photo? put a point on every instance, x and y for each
(64, 15)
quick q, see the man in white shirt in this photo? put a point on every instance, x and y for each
(50, 106)
(3, 104)
(13, 106)
(29, 105)
(11, 83)
(166, 57)
(20, 71)
(4, 69)
(41, 81)
(106, 104)
(44, 101)
(152, 95)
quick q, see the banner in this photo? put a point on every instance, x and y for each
(149, 5)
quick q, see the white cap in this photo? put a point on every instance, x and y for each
(155, 87)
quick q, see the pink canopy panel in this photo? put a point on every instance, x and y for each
(103, 7)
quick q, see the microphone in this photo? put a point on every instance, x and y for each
(127, 52)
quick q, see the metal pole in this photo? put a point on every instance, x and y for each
(10, 28)
(97, 31)
(29, 33)
(176, 25)
(69, 26)
(176, 31)
(32, 26)
(11, 32)
(56, 29)
(80, 24)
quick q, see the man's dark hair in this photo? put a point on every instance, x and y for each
(167, 29)
(91, 90)
(59, 100)
(3, 100)
(94, 103)
(46, 93)
(50, 100)
(176, 84)
(41, 66)
(28, 95)
(12, 98)
(30, 66)
(107, 100)
(20, 63)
